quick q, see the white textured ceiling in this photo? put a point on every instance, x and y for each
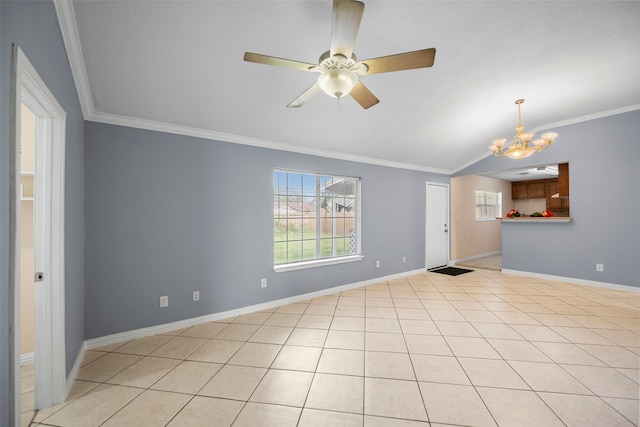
(177, 66)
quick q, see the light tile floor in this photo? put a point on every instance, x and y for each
(481, 349)
(493, 262)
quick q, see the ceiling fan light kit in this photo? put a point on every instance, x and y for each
(337, 82)
(338, 67)
(520, 148)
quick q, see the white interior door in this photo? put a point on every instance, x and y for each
(437, 238)
(50, 370)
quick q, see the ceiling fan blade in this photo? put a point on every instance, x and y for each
(280, 62)
(363, 96)
(347, 15)
(403, 61)
(305, 96)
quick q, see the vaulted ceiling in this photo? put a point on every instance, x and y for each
(178, 66)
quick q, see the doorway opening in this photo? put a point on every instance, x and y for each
(437, 225)
(37, 199)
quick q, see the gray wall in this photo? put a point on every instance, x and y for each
(169, 214)
(604, 177)
(33, 25)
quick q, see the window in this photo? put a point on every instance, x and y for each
(315, 217)
(488, 205)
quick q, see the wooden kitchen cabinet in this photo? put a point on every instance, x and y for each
(519, 190)
(529, 189)
(537, 190)
(556, 203)
(563, 179)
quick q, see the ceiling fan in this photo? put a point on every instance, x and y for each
(339, 68)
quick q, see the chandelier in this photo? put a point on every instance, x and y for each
(520, 148)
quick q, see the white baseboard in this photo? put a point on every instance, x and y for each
(471, 258)
(574, 280)
(27, 358)
(166, 327)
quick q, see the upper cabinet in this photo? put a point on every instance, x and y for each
(543, 188)
(563, 180)
(558, 202)
(529, 189)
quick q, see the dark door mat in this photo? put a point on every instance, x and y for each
(451, 271)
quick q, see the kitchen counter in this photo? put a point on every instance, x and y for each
(539, 219)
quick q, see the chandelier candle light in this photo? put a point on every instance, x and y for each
(520, 148)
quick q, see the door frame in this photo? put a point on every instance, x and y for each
(50, 358)
(448, 204)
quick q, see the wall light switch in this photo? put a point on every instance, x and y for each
(377, 264)
(164, 301)
(263, 283)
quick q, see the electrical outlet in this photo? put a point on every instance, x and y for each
(164, 301)
(196, 295)
(377, 264)
(404, 259)
(600, 267)
(263, 282)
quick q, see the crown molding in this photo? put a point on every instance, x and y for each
(71, 39)
(471, 162)
(588, 117)
(245, 140)
(70, 35)
(573, 121)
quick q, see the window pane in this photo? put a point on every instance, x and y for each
(309, 185)
(326, 248)
(299, 199)
(280, 252)
(488, 204)
(309, 249)
(279, 230)
(294, 251)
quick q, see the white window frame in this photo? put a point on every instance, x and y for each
(318, 262)
(498, 206)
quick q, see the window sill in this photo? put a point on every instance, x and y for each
(316, 263)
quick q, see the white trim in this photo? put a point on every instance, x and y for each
(27, 359)
(471, 162)
(281, 268)
(71, 38)
(167, 327)
(50, 360)
(573, 280)
(587, 118)
(245, 140)
(573, 121)
(471, 258)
